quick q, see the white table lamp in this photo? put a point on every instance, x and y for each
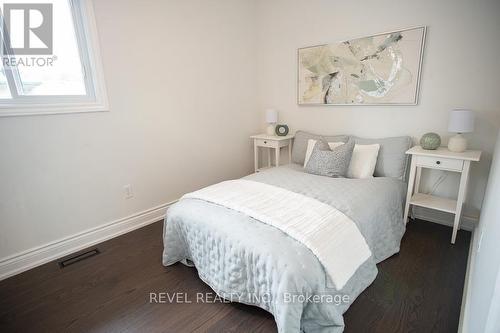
(272, 120)
(461, 121)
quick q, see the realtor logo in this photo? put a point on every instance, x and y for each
(27, 28)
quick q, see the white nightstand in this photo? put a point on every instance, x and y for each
(441, 159)
(271, 142)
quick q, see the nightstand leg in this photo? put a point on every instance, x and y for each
(255, 156)
(460, 200)
(417, 180)
(416, 187)
(269, 157)
(411, 182)
(278, 157)
(290, 153)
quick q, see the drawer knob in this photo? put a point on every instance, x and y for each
(438, 162)
(265, 142)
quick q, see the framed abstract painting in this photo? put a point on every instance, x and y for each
(382, 69)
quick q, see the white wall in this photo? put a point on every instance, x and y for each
(182, 90)
(483, 303)
(460, 68)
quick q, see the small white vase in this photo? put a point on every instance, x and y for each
(457, 143)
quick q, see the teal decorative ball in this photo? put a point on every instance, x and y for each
(430, 141)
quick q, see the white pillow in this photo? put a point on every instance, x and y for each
(363, 161)
(310, 147)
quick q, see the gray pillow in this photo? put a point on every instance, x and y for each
(300, 144)
(330, 163)
(392, 160)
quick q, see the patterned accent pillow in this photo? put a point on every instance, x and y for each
(330, 163)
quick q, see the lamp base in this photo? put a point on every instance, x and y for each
(457, 143)
(270, 130)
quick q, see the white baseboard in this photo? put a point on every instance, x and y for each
(34, 257)
(467, 222)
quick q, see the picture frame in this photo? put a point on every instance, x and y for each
(380, 69)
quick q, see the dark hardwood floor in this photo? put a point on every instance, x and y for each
(417, 290)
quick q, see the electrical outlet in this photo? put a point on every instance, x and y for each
(127, 190)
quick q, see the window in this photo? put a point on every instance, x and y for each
(49, 58)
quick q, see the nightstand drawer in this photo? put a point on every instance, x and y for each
(440, 163)
(266, 143)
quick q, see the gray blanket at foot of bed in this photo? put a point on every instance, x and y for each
(250, 262)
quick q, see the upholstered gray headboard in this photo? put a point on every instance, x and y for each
(391, 162)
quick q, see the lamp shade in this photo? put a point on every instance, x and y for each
(271, 116)
(461, 121)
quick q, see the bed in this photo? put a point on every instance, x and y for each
(245, 260)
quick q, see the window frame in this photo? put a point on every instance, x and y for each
(96, 98)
